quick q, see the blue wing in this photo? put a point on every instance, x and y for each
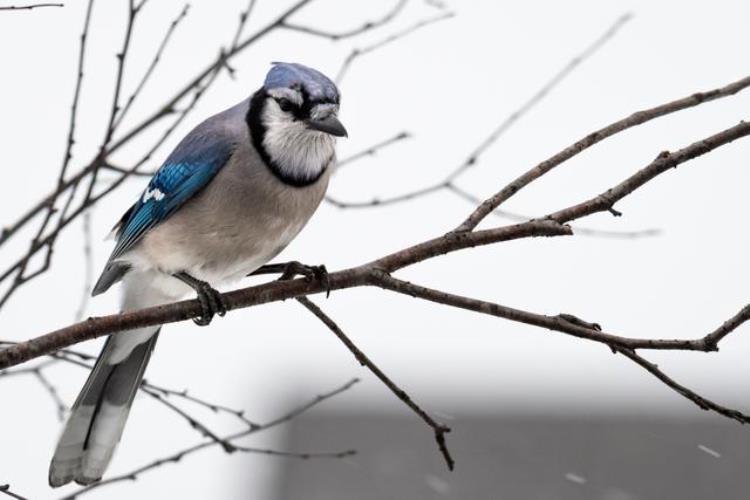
(188, 169)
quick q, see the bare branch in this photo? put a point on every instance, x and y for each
(76, 95)
(473, 158)
(703, 403)
(292, 454)
(246, 297)
(569, 324)
(192, 421)
(369, 25)
(356, 53)
(712, 339)
(176, 457)
(373, 150)
(152, 66)
(133, 11)
(440, 430)
(88, 273)
(578, 230)
(552, 225)
(160, 393)
(5, 489)
(244, 16)
(37, 372)
(633, 120)
(60, 405)
(559, 323)
(663, 162)
(30, 7)
(216, 408)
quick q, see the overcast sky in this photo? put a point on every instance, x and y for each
(449, 84)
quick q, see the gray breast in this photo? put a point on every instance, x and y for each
(240, 221)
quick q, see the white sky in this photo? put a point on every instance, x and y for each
(449, 84)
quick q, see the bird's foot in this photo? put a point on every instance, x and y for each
(210, 299)
(294, 268)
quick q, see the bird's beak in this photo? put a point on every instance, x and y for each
(330, 125)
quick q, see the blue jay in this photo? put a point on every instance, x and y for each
(236, 190)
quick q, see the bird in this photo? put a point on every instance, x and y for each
(229, 198)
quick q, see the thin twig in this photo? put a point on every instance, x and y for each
(60, 405)
(5, 488)
(133, 11)
(558, 323)
(703, 403)
(336, 36)
(637, 118)
(293, 454)
(439, 430)
(473, 158)
(216, 408)
(194, 423)
(159, 393)
(578, 230)
(356, 53)
(88, 267)
(76, 95)
(31, 6)
(152, 66)
(374, 149)
(38, 373)
(577, 328)
(712, 339)
(176, 457)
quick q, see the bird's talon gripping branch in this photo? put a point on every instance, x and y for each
(289, 270)
(210, 299)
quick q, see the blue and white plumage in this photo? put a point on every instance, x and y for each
(232, 195)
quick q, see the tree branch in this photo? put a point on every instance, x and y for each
(5, 489)
(712, 339)
(356, 53)
(440, 430)
(30, 7)
(473, 157)
(703, 403)
(552, 225)
(637, 118)
(336, 36)
(176, 457)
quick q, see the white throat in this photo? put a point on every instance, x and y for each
(299, 152)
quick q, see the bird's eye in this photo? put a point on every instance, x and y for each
(285, 104)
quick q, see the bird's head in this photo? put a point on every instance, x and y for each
(293, 122)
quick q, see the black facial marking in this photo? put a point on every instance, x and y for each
(258, 133)
(285, 104)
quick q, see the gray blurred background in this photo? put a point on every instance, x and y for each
(501, 456)
(535, 414)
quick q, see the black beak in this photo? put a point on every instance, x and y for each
(330, 125)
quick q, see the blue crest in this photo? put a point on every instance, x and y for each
(289, 75)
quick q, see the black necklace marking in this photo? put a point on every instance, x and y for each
(258, 134)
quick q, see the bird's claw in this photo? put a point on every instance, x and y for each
(310, 273)
(211, 302)
(210, 299)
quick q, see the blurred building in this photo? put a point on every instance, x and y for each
(521, 457)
